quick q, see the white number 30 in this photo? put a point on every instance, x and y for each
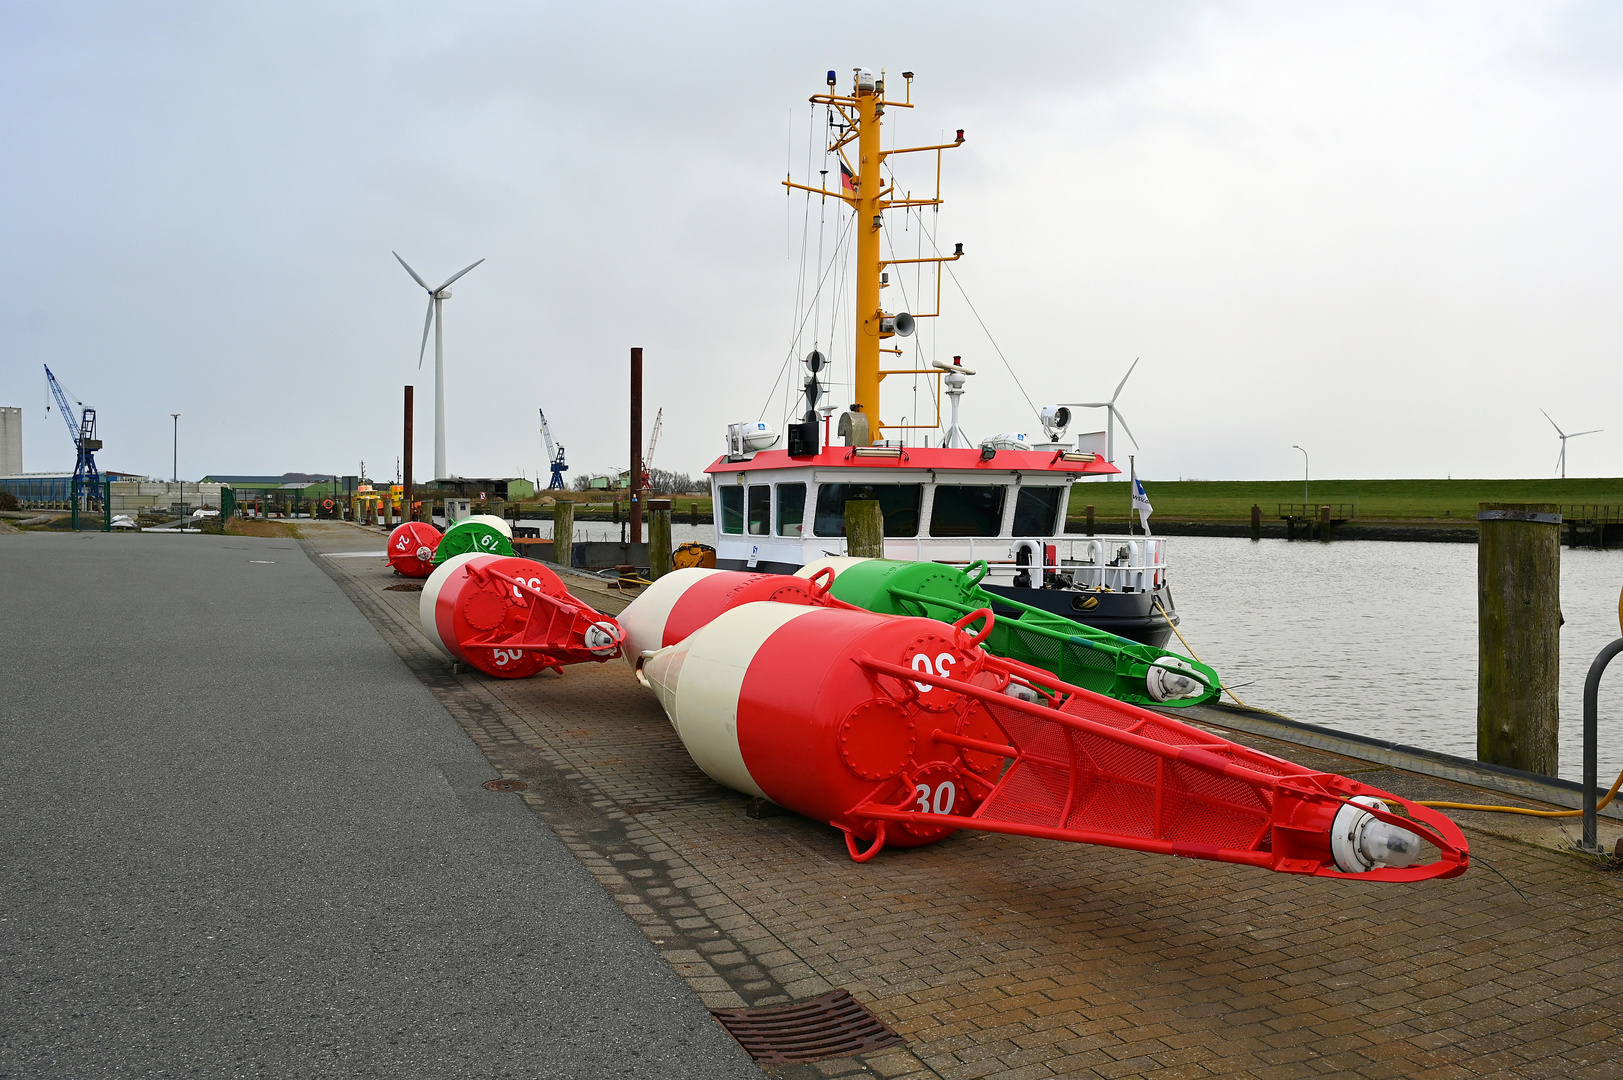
(945, 796)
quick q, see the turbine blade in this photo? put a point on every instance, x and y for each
(1591, 431)
(1554, 425)
(1123, 382)
(1091, 405)
(1122, 420)
(456, 275)
(428, 323)
(409, 270)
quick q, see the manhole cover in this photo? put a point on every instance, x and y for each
(506, 785)
(405, 586)
(833, 1025)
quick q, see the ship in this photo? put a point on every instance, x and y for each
(1001, 502)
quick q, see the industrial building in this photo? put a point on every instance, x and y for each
(11, 441)
(54, 490)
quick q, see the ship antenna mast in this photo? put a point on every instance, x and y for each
(863, 188)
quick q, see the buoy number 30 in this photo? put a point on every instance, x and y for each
(938, 802)
(942, 667)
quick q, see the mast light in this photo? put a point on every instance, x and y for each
(831, 77)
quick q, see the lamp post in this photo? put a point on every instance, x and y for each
(175, 476)
(1304, 476)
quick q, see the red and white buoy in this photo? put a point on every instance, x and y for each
(512, 617)
(411, 549)
(900, 731)
(677, 604)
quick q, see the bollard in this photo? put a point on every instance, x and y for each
(693, 514)
(617, 509)
(659, 538)
(1256, 522)
(864, 529)
(1090, 519)
(563, 532)
(1518, 635)
(1324, 523)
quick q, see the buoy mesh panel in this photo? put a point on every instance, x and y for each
(833, 1025)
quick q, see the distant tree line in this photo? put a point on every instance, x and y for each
(660, 482)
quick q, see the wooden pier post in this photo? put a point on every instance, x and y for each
(1256, 522)
(693, 514)
(659, 538)
(864, 529)
(1090, 519)
(1518, 635)
(563, 532)
(1324, 523)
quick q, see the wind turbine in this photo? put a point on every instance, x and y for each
(434, 319)
(1112, 414)
(1561, 462)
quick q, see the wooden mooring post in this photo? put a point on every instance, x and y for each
(1090, 519)
(659, 538)
(864, 529)
(1256, 522)
(563, 532)
(1324, 523)
(1518, 635)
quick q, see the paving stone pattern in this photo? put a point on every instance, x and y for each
(1006, 957)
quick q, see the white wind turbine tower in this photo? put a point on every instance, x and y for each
(434, 319)
(1112, 414)
(1561, 462)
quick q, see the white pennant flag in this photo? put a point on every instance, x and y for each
(1141, 503)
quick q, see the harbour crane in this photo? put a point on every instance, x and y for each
(82, 430)
(648, 458)
(555, 456)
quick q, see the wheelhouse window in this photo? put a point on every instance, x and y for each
(1036, 511)
(791, 509)
(732, 509)
(898, 503)
(760, 505)
(967, 510)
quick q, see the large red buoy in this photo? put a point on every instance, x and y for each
(677, 604)
(900, 731)
(512, 617)
(411, 549)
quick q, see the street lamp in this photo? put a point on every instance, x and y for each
(1304, 476)
(175, 477)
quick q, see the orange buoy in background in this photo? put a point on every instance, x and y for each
(411, 549)
(900, 731)
(512, 617)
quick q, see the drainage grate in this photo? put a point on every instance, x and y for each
(833, 1025)
(405, 586)
(506, 785)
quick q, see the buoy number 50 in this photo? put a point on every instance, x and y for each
(504, 657)
(942, 667)
(945, 795)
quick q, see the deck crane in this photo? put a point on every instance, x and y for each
(82, 429)
(555, 456)
(648, 458)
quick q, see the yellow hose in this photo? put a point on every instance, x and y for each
(1156, 600)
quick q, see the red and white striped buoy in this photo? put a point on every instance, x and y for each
(411, 549)
(677, 604)
(511, 617)
(900, 731)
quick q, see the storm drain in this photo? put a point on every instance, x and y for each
(833, 1025)
(506, 785)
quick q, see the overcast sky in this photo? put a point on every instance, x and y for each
(1390, 233)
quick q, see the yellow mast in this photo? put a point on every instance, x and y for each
(862, 113)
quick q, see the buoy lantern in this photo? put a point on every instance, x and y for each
(512, 617)
(411, 549)
(899, 731)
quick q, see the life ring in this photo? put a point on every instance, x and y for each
(326, 504)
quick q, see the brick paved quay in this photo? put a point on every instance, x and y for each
(1007, 957)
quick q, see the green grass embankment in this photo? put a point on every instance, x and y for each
(1377, 500)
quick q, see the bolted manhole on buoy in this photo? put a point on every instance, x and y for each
(505, 784)
(833, 1025)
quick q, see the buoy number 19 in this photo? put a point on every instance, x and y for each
(942, 667)
(945, 795)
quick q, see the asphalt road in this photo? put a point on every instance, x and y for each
(239, 838)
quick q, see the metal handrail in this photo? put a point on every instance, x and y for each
(1590, 842)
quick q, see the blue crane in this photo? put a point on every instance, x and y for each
(82, 429)
(555, 456)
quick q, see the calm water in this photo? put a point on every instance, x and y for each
(1371, 637)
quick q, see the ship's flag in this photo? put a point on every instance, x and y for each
(848, 182)
(1141, 503)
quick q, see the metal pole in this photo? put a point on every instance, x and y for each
(439, 392)
(1304, 477)
(634, 483)
(175, 475)
(1591, 840)
(405, 479)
